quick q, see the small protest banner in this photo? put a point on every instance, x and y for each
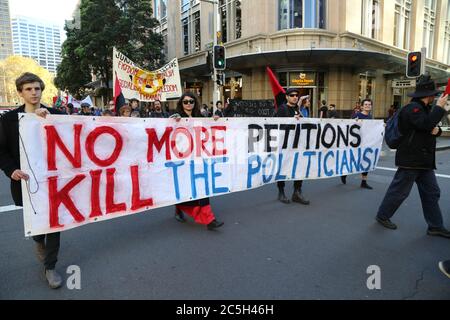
(137, 83)
(252, 108)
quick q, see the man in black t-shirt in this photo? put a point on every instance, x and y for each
(291, 109)
(323, 111)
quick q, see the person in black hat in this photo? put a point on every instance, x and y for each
(415, 158)
(291, 109)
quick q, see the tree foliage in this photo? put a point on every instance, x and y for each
(14, 66)
(125, 24)
(71, 76)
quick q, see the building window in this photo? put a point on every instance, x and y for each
(370, 23)
(197, 32)
(165, 48)
(223, 19)
(185, 27)
(428, 26)
(402, 24)
(230, 16)
(160, 10)
(446, 56)
(301, 14)
(191, 27)
(238, 19)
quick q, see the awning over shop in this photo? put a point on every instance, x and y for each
(359, 61)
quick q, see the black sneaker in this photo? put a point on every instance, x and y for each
(364, 185)
(214, 225)
(444, 266)
(179, 215)
(439, 232)
(386, 223)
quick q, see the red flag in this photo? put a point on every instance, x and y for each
(119, 99)
(278, 91)
(447, 89)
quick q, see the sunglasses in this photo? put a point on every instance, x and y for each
(188, 101)
(293, 95)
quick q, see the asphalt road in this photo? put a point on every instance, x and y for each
(265, 250)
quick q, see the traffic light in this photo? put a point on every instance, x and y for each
(220, 79)
(414, 64)
(219, 57)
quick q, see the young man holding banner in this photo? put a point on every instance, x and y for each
(290, 109)
(30, 87)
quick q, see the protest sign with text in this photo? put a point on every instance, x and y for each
(137, 83)
(89, 169)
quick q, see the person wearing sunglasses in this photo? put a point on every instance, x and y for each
(189, 107)
(290, 109)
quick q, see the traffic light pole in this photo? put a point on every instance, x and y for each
(424, 59)
(216, 29)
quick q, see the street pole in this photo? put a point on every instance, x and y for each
(423, 50)
(216, 28)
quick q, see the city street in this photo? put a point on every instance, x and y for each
(265, 250)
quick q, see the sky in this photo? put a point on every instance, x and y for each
(53, 11)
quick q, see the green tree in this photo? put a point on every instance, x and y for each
(71, 76)
(125, 24)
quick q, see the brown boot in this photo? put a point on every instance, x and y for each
(282, 196)
(298, 197)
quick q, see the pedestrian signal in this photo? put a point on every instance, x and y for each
(220, 79)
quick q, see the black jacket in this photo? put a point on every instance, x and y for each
(9, 147)
(418, 147)
(285, 111)
(161, 114)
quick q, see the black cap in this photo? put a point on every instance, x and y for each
(290, 90)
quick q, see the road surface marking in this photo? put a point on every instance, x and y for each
(9, 208)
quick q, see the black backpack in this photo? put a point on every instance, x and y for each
(392, 134)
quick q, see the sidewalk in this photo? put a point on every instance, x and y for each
(442, 143)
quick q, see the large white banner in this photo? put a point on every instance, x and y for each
(88, 169)
(161, 84)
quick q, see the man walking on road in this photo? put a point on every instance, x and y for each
(30, 87)
(290, 109)
(415, 158)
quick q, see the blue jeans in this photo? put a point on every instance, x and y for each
(400, 188)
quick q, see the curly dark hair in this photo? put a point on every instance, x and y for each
(195, 112)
